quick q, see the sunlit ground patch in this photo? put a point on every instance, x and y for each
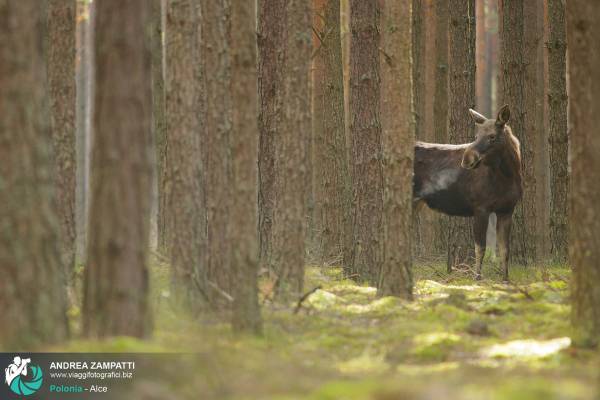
(527, 349)
(366, 363)
(412, 369)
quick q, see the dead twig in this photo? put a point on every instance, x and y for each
(304, 297)
(220, 291)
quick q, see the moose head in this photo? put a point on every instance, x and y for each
(491, 137)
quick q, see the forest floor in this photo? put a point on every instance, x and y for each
(458, 339)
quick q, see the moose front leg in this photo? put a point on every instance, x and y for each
(480, 225)
(503, 226)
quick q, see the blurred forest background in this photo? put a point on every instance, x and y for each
(233, 179)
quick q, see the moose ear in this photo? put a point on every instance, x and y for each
(503, 115)
(478, 118)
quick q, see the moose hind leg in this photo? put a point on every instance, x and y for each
(480, 225)
(503, 226)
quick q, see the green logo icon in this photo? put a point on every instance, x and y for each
(22, 377)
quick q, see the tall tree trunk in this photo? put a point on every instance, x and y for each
(116, 276)
(426, 221)
(513, 87)
(583, 31)
(542, 160)
(316, 222)
(184, 208)
(418, 64)
(531, 137)
(159, 123)
(559, 139)
(398, 132)
(61, 83)
(32, 297)
(244, 148)
(272, 33)
(290, 147)
(346, 38)
(482, 83)
(85, 30)
(461, 97)
(331, 164)
(216, 141)
(440, 104)
(367, 172)
(429, 70)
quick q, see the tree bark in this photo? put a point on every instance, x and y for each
(32, 296)
(440, 107)
(426, 221)
(482, 86)
(183, 202)
(290, 147)
(272, 32)
(331, 164)
(159, 123)
(542, 154)
(461, 97)
(513, 73)
(367, 174)
(418, 49)
(398, 132)
(84, 88)
(216, 23)
(532, 137)
(116, 277)
(559, 138)
(244, 148)
(584, 241)
(61, 84)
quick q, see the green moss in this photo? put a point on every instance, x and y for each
(435, 346)
(347, 343)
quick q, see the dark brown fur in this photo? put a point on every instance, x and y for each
(474, 180)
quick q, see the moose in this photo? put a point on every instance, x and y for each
(474, 180)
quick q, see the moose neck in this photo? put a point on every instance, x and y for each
(510, 158)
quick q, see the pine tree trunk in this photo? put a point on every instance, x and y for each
(425, 220)
(440, 105)
(367, 172)
(418, 64)
(61, 84)
(290, 148)
(316, 223)
(184, 208)
(331, 164)
(216, 142)
(398, 133)
(583, 31)
(481, 81)
(244, 148)
(159, 123)
(542, 154)
(346, 36)
(532, 136)
(32, 296)
(116, 276)
(85, 13)
(513, 74)
(461, 97)
(272, 32)
(559, 139)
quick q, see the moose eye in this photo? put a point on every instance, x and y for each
(492, 138)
